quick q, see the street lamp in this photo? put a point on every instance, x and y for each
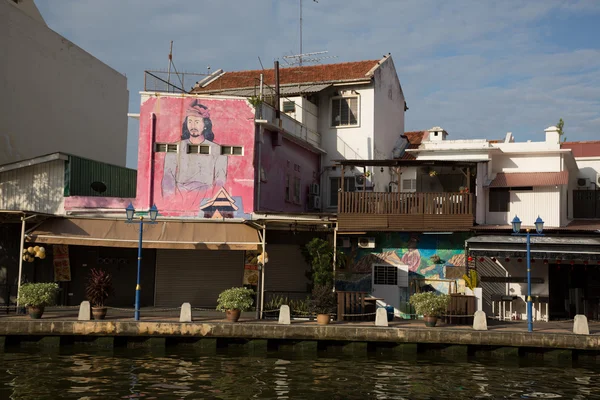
(130, 212)
(539, 228)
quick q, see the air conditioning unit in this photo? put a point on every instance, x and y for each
(366, 242)
(345, 242)
(359, 180)
(314, 189)
(315, 202)
(597, 181)
(583, 182)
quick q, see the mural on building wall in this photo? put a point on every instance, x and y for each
(431, 260)
(211, 174)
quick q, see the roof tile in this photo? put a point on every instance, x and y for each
(523, 179)
(583, 149)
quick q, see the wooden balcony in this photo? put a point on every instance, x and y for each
(420, 212)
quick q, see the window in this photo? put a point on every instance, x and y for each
(499, 200)
(297, 190)
(344, 111)
(334, 186)
(385, 275)
(289, 107)
(198, 149)
(288, 195)
(232, 150)
(166, 148)
(409, 184)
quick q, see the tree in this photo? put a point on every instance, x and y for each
(560, 126)
(319, 255)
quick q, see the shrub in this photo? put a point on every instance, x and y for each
(237, 298)
(300, 307)
(38, 294)
(318, 253)
(99, 287)
(429, 303)
(323, 300)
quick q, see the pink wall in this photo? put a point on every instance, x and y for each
(83, 202)
(277, 162)
(198, 185)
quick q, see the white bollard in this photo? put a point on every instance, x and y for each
(480, 321)
(85, 311)
(186, 313)
(580, 325)
(284, 315)
(381, 317)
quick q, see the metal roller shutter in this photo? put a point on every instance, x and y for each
(196, 276)
(286, 270)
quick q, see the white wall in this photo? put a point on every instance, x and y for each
(528, 204)
(589, 167)
(55, 96)
(388, 117)
(38, 188)
(511, 163)
(306, 112)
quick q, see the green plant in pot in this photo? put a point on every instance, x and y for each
(430, 305)
(36, 296)
(233, 301)
(323, 303)
(99, 288)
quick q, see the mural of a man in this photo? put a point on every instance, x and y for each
(193, 172)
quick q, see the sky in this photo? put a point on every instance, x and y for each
(479, 69)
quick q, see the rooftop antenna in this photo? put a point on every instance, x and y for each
(171, 63)
(300, 58)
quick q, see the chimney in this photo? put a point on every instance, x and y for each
(552, 135)
(437, 134)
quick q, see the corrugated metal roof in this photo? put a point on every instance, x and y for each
(284, 90)
(522, 179)
(116, 181)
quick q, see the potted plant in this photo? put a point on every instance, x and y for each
(233, 301)
(322, 303)
(430, 305)
(98, 289)
(471, 289)
(36, 296)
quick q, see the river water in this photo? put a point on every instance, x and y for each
(185, 374)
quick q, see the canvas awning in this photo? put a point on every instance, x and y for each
(185, 235)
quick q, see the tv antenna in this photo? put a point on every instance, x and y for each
(298, 59)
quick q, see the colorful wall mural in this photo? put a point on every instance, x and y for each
(211, 175)
(432, 260)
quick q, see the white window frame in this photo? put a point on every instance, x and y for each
(354, 96)
(196, 149)
(231, 153)
(168, 148)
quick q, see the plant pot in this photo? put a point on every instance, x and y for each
(99, 312)
(35, 312)
(430, 321)
(323, 319)
(233, 315)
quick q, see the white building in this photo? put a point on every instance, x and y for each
(56, 97)
(351, 110)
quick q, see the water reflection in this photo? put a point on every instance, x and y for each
(187, 375)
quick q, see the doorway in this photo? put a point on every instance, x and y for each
(573, 289)
(390, 283)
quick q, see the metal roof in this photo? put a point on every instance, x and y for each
(289, 90)
(522, 179)
(403, 163)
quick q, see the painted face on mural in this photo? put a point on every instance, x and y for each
(195, 125)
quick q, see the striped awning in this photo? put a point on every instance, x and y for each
(524, 179)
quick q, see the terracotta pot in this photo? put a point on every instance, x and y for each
(430, 321)
(35, 312)
(233, 315)
(323, 319)
(99, 312)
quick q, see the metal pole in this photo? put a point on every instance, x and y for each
(334, 253)
(262, 277)
(20, 260)
(139, 267)
(529, 316)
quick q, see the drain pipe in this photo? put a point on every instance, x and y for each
(151, 160)
(262, 277)
(335, 230)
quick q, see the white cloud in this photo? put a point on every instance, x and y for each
(479, 69)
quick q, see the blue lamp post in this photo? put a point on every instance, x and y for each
(539, 228)
(130, 211)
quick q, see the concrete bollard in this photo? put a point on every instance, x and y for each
(85, 311)
(580, 325)
(284, 315)
(381, 318)
(480, 321)
(186, 313)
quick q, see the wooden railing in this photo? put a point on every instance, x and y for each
(405, 203)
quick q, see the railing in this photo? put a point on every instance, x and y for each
(291, 126)
(405, 203)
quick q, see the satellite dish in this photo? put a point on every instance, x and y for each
(98, 187)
